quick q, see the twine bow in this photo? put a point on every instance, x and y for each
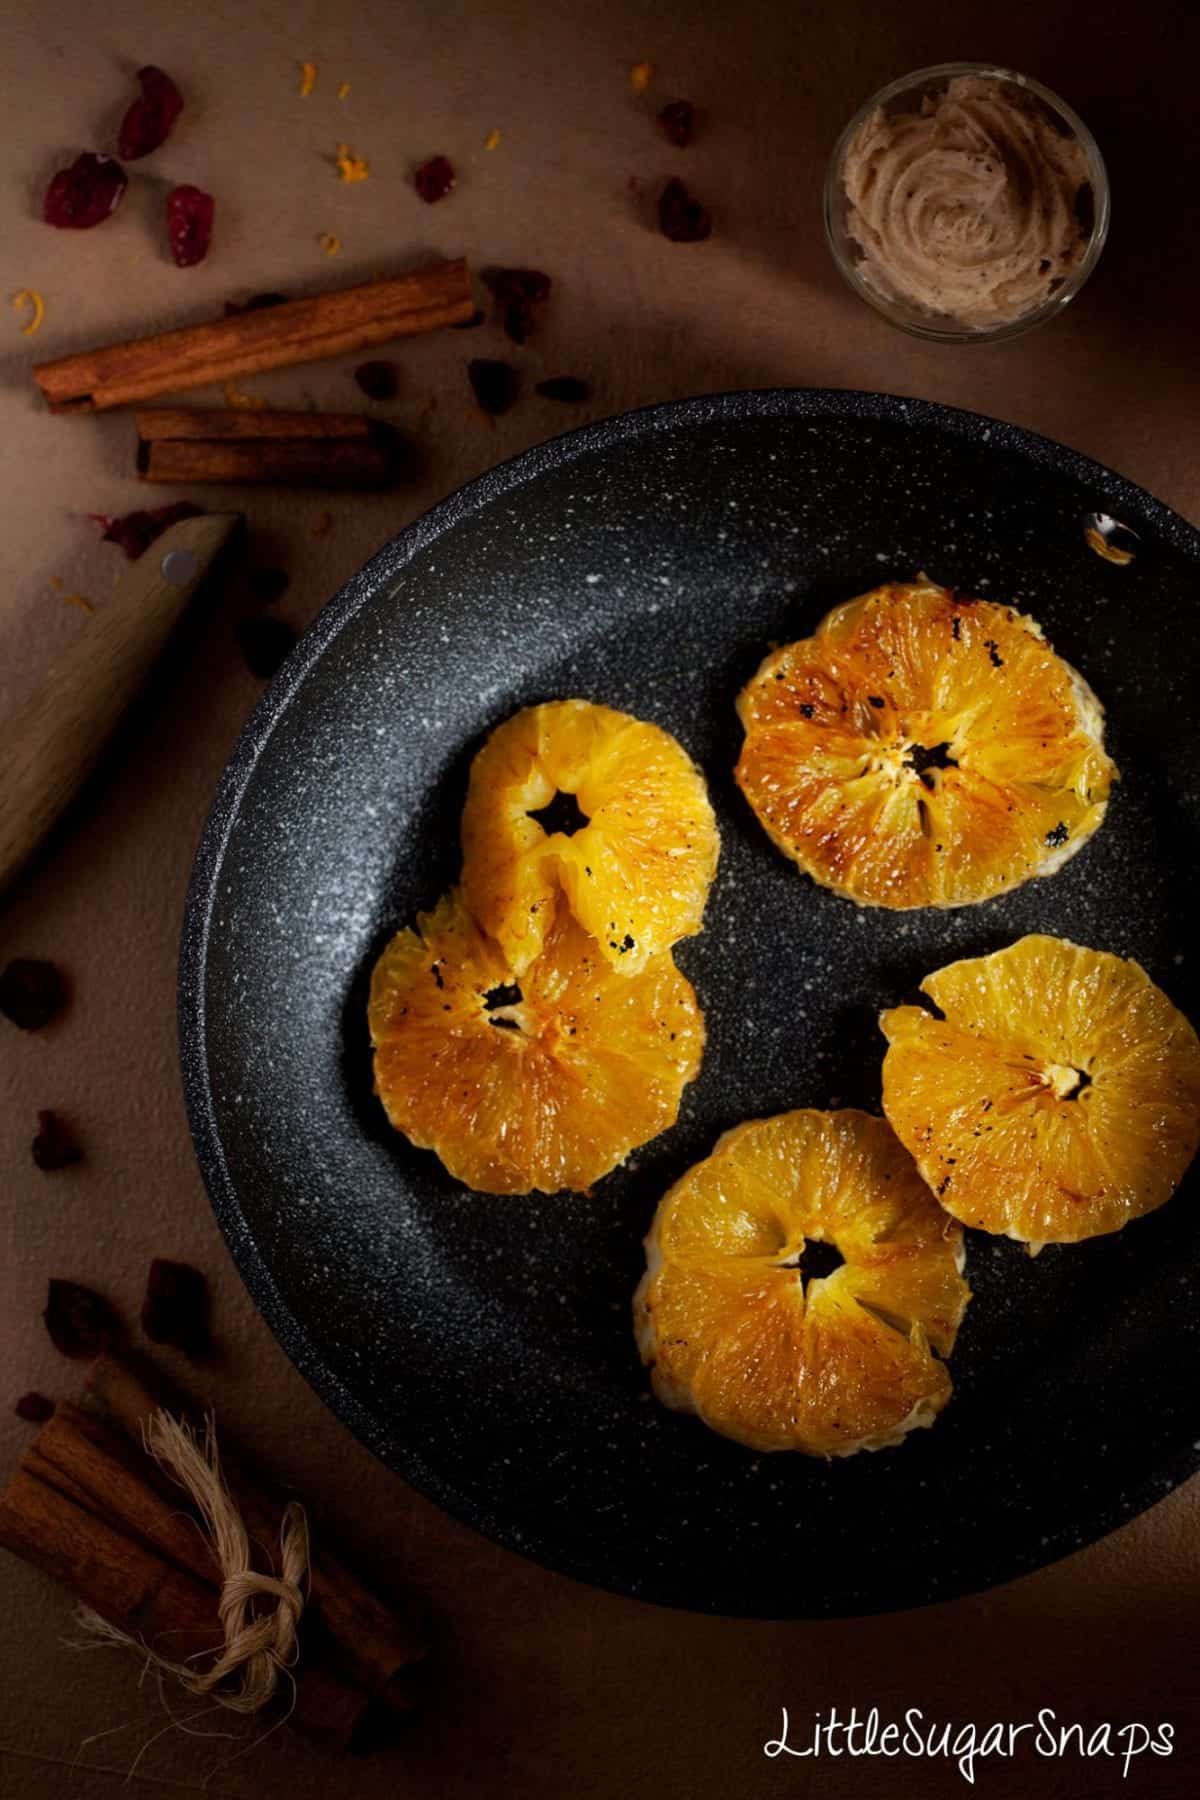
(261, 1643)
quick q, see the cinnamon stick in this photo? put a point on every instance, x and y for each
(113, 1547)
(381, 1648)
(102, 1471)
(124, 1582)
(250, 343)
(354, 453)
(204, 422)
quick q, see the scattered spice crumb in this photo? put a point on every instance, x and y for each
(377, 379)
(678, 120)
(149, 121)
(682, 218)
(238, 397)
(34, 1408)
(330, 242)
(54, 1147)
(308, 79)
(268, 585)
(190, 214)
(351, 167)
(79, 600)
(31, 298)
(494, 384)
(434, 179)
(81, 1322)
(265, 643)
(492, 140)
(568, 388)
(640, 76)
(343, 90)
(32, 992)
(85, 193)
(255, 303)
(517, 292)
(175, 1310)
(135, 532)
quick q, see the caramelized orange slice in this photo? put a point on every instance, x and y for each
(922, 749)
(543, 1083)
(1057, 1097)
(734, 1329)
(596, 804)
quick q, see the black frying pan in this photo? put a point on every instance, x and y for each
(482, 1346)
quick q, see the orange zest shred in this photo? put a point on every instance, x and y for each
(237, 397)
(31, 298)
(640, 76)
(330, 242)
(308, 79)
(492, 140)
(351, 167)
(343, 90)
(79, 600)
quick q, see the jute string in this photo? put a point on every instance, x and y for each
(259, 1614)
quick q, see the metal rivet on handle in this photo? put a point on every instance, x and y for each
(1115, 542)
(179, 566)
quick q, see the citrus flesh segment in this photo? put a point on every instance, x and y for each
(923, 749)
(732, 1329)
(546, 1084)
(1056, 1099)
(635, 862)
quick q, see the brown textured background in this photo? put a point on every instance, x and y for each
(544, 1686)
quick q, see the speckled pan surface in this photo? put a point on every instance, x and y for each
(482, 1346)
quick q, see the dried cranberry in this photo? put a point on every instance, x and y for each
(175, 1310)
(136, 531)
(681, 218)
(79, 1321)
(34, 1408)
(268, 585)
(189, 224)
(265, 643)
(148, 122)
(377, 379)
(255, 303)
(434, 179)
(54, 1147)
(31, 993)
(85, 194)
(517, 292)
(565, 387)
(677, 120)
(495, 384)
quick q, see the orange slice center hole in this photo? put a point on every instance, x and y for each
(922, 760)
(815, 1261)
(562, 816)
(1065, 1082)
(501, 1004)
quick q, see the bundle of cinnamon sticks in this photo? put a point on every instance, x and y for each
(90, 1508)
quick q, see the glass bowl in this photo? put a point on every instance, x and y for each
(905, 96)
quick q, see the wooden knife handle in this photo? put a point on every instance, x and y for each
(50, 746)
